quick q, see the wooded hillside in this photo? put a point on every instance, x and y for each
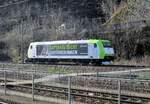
(24, 21)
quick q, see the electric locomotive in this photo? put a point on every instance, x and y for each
(94, 51)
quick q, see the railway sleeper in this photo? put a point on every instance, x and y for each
(136, 100)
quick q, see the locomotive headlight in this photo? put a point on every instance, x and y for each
(109, 51)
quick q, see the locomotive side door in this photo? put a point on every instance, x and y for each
(34, 51)
(92, 51)
(31, 51)
(95, 51)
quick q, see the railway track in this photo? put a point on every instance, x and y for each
(81, 95)
(72, 64)
(7, 102)
(68, 67)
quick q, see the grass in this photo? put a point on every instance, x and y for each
(134, 61)
(144, 75)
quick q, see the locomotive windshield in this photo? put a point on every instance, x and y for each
(106, 44)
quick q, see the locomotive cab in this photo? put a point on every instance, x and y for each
(108, 49)
(31, 51)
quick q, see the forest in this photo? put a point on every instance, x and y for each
(125, 22)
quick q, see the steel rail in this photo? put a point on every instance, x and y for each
(82, 93)
(73, 65)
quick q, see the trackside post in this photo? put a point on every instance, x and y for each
(119, 91)
(33, 72)
(5, 79)
(69, 89)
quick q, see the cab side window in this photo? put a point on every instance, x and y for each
(31, 47)
(95, 45)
